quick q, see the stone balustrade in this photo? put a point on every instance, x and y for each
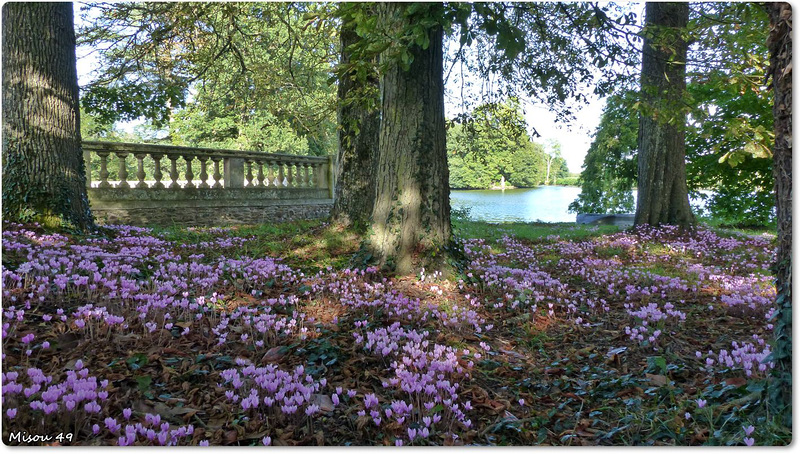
(151, 184)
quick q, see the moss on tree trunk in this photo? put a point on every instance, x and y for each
(359, 127)
(43, 170)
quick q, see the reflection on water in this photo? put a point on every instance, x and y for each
(545, 203)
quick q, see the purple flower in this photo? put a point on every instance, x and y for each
(27, 339)
(126, 413)
(203, 443)
(266, 441)
(370, 400)
(748, 430)
(11, 413)
(749, 441)
(701, 403)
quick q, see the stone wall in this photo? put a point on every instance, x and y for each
(207, 207)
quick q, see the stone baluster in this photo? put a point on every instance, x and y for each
(281, 176)
(217, 174)
(249, 175)
(298, 167)
(157, 173)
(140, 170)
(103, 169)
(260, 165)
(203, 173)
(189, 173)
(271, 174)
(123, 170)
(173, 171)
(306, 176)
(298, 179)
(290, 174)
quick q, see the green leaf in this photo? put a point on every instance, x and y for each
(144, 382)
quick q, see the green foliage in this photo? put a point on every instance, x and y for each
(492, 143)
(728, 133)
(236, 75)
(610, 167)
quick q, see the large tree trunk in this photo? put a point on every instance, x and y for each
(411, 217)
(359, 127)
(779, 43)
(43, 170)
(663, 197)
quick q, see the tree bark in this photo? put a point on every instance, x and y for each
(779, 43)
(359, 128)
(43, 170)
(411, 217)
(663, 197)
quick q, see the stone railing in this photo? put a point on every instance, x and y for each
(166, 185)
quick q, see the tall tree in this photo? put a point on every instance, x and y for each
(359, 128)
(43, 169)
(663, 197)
(257, 72)
(411, 216)
(779, 43)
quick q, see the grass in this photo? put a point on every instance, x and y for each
(530, 231)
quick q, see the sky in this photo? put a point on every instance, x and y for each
(574, 138)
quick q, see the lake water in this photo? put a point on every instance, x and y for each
(545, 203)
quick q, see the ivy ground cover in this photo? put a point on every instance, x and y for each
(222, 336)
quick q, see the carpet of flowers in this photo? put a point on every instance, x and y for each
(651, 336)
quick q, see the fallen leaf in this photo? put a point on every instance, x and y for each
(657, 380)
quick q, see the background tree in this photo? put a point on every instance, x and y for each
(491, 143)
(728, 137)
(258, 73)
(662, 196)
(610, 166)
(779, 43)
(43, 169)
